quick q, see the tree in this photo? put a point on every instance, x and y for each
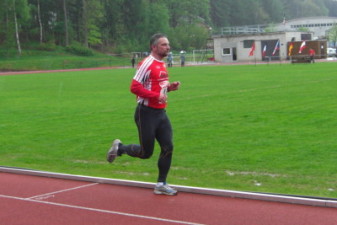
(305, 8)
(155, 19)
(126, 25)
(188, 12)
(333, 35)
(17, 14)
(82, 20)
(17, 37)
(40, 22)
(66, 31)
(238, 13)
(83, 24)
(332, 6)
(274, 11)
(4, 20)
(220, 12)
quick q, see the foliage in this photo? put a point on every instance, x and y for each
(126, 25)
(187, 37)
(35, 60)
(303, 29)
(333, 35)
(79, 50)
(270, 28)
(12, 13)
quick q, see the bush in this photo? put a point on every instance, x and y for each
(79, 50)
(46, 47)
(8, 52)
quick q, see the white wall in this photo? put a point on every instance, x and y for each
(236, 41)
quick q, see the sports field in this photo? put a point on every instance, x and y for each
(265, 128)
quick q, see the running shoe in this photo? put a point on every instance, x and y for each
(165, 190)
(112, 153)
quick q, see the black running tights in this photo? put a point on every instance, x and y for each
(153, 124)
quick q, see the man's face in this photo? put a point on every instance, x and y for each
(162, 48)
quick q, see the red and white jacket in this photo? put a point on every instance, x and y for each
(150, 80)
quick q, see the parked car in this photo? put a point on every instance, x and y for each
(331, 52)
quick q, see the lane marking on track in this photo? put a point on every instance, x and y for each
(270, 197)
(100, 210)
(52, 194)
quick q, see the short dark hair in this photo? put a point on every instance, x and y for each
(154, 39)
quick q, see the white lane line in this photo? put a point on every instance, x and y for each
(51, 194)
(101, 210)
(299, 200)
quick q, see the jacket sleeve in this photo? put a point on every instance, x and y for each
(138, 89)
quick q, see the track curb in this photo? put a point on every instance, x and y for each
(292, 199)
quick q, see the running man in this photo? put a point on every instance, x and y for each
(151, 84)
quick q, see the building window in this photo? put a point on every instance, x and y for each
(248, 43)
(226, 51)
(305, 37)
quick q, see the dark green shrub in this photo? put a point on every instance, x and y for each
(79, 50)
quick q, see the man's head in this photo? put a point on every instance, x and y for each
(159, 45)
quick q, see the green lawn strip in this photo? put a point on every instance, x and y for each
(267, 128)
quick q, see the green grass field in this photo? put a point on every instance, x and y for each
(51, 60)
(265, 128)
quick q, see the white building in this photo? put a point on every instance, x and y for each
(318, 25)
(235, 43)
(268, 46)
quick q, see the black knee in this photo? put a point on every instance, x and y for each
(145, 155)
(166, 150)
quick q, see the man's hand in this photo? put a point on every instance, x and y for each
(174, 86)
(162, 98)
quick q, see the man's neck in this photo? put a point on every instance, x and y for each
(156, 56)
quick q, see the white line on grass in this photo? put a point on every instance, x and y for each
(100, 210)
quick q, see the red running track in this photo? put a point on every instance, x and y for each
(35, 200)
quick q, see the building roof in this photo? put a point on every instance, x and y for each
(313, 18)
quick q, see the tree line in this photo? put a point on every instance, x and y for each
(126, 25)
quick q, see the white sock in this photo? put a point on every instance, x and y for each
(160, 184)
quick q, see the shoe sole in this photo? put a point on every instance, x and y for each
(164, 193)
(112, 153)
